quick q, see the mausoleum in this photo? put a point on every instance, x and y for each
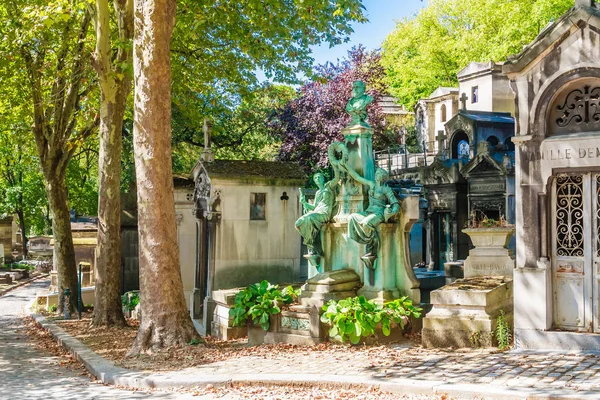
(556, 81)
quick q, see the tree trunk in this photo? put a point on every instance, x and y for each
(114, 91)
(165, 319)
(64, 253)
(22, 226)
(107, 306)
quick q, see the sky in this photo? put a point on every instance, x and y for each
(382, 15)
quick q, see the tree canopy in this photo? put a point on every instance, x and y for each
(428, 50)
(308, 124)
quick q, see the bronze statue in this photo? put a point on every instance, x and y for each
(357, 105)
(319, 213)
(383, 204)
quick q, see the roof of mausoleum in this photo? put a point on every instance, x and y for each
(486, 116)
(389, 105)
(183, 180)
(554, 34)
(475, 69)
(443, 91)
(254, 169)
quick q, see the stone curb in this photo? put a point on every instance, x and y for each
(106, 371)
(22, 283)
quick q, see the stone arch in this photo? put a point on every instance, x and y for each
(492, 141)
(552, 92)
(457, 141)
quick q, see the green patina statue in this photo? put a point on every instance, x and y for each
(319, 213)
(357, 105)
(362, 226)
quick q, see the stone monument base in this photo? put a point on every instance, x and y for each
(330, 285)
(377, 294)
(465, 313)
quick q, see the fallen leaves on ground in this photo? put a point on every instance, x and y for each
(114, 343)
(44, 341)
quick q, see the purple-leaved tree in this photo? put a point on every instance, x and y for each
(308, 124)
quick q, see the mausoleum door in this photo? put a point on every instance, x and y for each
(576, 251)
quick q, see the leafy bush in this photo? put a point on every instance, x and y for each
(259, 301)
(27, 267)
(53, 308)
(503, 332)
(354, 317)
(130, 300)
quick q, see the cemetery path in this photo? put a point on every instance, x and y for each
(29, 373)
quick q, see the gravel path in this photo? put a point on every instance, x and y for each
(27, 373)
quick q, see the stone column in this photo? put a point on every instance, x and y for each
(430, 240)
(354, 197)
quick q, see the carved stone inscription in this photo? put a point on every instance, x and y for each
(564, 153)
(487, 187)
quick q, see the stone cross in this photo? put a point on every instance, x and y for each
(463, 101)
(441, 138)
(207, 155)
(207, 129)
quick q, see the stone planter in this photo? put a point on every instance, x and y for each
(490, 237)
(490, 257)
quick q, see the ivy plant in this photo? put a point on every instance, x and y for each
(354, 317)
(259, 301)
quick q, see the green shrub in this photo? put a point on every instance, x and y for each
(503, 332)
(259, 301)
(53, 308)
(354, 317)
(130, 300)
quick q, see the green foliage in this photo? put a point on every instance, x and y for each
(503, 332)
(53, 308)
(28, 267)
(259, 301)
(130, 300)
(354, 317)
(428, 50)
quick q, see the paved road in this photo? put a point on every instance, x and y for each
(28, 373)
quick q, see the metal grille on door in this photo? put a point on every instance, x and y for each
(575, 250)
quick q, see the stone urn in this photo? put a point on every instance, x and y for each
(491, 256)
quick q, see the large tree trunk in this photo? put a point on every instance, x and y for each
(64, 253)
(107, 306)
(114, 92)
(165, 320)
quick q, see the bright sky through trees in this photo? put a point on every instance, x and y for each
(382, 15)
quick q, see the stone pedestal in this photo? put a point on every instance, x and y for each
(393, 275)
(353, 197)
(490, 257)
(330, 285)
(464, 313)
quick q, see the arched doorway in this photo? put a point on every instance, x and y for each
(460, 146)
